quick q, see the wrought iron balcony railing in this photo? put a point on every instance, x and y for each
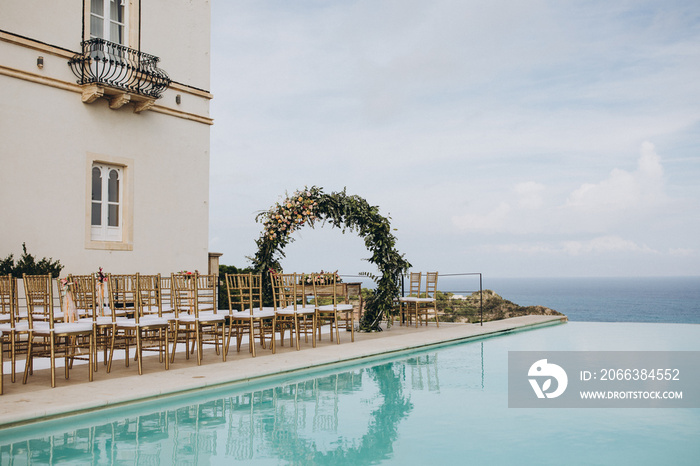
(112, 65)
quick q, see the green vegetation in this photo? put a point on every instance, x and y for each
(223, 292)
(307, 206)
(28, 264)
(495, 307)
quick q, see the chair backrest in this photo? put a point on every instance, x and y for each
(184, 294)
(84, 294)
(325, 286)
(414, 283)
(233, 292)
(206, 291)
(123, 295)
(38, 290)
(150, 300)
(166, 292)
(244, 291)
(284, 289)
(431, 279)
(8, 300)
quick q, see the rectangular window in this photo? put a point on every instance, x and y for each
(108, 20)
(106, 202)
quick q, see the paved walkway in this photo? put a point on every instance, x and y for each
(37, 400)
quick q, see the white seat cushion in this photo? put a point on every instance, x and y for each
(299, 310)
(147, 321)
(37, 326)
(408, 299)
(339, 307)
(104, 320)
(126, 323)
(7, 328)
(262, 314)
(72, 327)
(187, 318)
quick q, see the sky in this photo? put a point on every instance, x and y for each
(512, 138)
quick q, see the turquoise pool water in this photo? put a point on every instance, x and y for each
(447, 405)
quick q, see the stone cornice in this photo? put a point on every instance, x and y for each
(89, 95)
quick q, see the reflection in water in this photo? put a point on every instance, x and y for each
(351, 417)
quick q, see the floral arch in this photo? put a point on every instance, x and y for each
(310, 205)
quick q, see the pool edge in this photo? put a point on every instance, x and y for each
(387, 346)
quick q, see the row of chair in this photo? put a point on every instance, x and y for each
(419, 306)
(154, 312)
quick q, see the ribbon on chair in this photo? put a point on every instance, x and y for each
(69, 307)
(100, 288)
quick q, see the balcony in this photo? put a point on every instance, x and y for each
(120, 74)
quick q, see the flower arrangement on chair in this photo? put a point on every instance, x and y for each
(101, 289)
(69, 307)
(323, 278)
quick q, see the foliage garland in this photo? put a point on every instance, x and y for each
(309, 205)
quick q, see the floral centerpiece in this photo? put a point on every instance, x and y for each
(323, 278)
(290, 214)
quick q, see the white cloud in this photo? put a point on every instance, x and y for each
(622, 190)
(494, 220)
(501, 114)
(683, 252)
(529, 194)
(604, 244)
(596, 246)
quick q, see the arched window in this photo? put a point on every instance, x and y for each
(106, 209)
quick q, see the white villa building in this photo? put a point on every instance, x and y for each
(104, 133)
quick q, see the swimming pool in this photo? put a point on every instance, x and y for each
(446, 404)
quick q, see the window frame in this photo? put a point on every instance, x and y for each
(107, 21)
(109, 203)
(131, 24)
(111, 238)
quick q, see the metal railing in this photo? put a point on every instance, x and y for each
(114, 65)
(480, 290)
(455, 286)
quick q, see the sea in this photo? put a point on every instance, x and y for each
(596, 299)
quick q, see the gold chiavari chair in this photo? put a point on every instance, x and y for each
(14, 327)
(144, 332)
(151, 303)
(426, 305)
(85, 294)
(291, 309)
(121, 292)
(408, 308)
(153, 329)
(207, 293)
(246, 312)
(206, 327)
(336, 314)
(54, 339)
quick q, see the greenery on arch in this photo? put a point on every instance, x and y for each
(348, 212)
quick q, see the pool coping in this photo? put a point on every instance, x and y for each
(23, 404)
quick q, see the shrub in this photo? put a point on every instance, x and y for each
(28, 264)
